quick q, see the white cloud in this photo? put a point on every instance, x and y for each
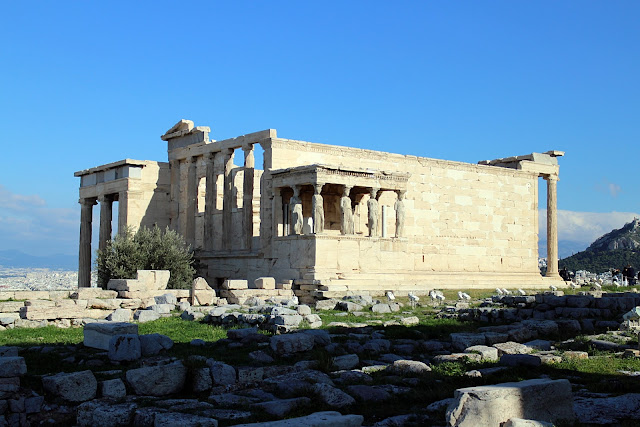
(609, 187)
(29, 225)
(585, 227)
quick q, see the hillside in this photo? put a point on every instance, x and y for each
(615, 249)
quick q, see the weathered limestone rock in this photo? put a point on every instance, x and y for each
(317, 419)
(334, 397)
(291, 343)
(12, 366)
(103, 304)
(98, 335)
(519, 422)
(113, 389)
(221, 373)
(143, 316)
(539, 399)
(201, 380)
(172, 419)
(124, 348)
(264, 283)
(93, 293)
(73, 387)
(460, 341)
(381, 308)
(157, 380)
(201, 292)
(152, 344)
(608, 410)
(105, 414)
(120, 315)
(487, 353)
(235, 284)
(327, 304)
(346, 362)
(166, 299)
(410, 367)
(368, 394)
(282, 407)
(511, 347)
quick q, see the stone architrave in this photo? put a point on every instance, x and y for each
(400, 214)
(373, 214)
(346, 212)
(296, 211)
(318, 209)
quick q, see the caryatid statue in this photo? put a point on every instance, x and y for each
(318, 209)
(346, 212)
(400, 214)
(296, 211)
(374, 215)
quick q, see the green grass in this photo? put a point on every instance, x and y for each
(48, 335)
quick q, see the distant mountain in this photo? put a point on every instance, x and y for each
(17, 259)
(615, 249)
(566, 248)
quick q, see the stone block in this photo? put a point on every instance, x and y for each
(124, 348)
(538, 399)
(152, 344)
(98, 335)
(202, 297)
(264, 283)
(143, 316)
(74, 387)
(100, 413)
(103, 304)
(52, 313)
(487, 353)
(317, 419)
(120, 315)
(235, 284)
(157, 380)
(291, 343)
(221, 373)
(112, 389)
(93, 293)
(12, 366)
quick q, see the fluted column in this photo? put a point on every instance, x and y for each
(317, 206)
(192, 200)
(211, 193)
(106, 216)
(346, 212)
(373, 212)
(552, 225)
(247, 195)
(400, 213)
(227, 199)
(84, 261)
(174, 211)
(123, 212)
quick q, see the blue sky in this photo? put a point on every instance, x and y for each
(87, 83)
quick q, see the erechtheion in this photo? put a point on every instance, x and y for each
(332, 219)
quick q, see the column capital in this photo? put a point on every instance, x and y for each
(551, 177)
(247, 147)
(88, 201)
(296, 190)
(373, 191)
(191, 159)
(102, 198)
(317, 187)
(210, 155)
(346, 190)
(228, 151)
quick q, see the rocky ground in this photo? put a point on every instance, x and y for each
(369, 363)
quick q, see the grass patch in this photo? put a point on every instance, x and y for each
(48, 335)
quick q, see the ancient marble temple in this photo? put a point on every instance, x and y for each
(329, 218)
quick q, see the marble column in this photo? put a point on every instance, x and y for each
(317, 206)
(552, 226)
(373, 212)
(106, 216)
(227, 199)
(400, 213)
(296, 211)
(347, 225)
(174, 211)
(211, 194)
(84, 261)
(123, 212)
(247, 195)
(192, 202)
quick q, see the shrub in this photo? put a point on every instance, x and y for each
(147, 249)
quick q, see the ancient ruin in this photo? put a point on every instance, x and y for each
(332, 219)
